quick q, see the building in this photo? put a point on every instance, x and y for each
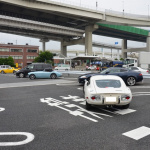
(22, 54)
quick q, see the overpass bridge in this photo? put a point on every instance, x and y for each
(67, 24)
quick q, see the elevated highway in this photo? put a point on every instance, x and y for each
(67, 23)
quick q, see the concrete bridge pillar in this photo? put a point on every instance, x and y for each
(63, 48)
(148, 42)
(124, 46)
(44, 40)
(88, 38)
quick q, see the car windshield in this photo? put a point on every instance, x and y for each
(106, 70)
(108, 83)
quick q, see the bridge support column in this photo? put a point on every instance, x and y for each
(124, 46)
(88, 38)
(63, 48)
(148, 42)
(44, 40)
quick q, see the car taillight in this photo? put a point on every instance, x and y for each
(127, 97)
(147, 71)
(140, 74)
(93, 97)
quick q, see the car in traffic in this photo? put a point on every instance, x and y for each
(63, 67)
(31, 68)
(9, 70)
(107, 90)
(138, 69)
(4, 67)
(46, 73)
(130, 77)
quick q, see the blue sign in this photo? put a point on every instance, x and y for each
(116, 43)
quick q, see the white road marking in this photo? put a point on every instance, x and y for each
(29, 138)
(125, 111)
(79, 110)
(80, 88)
(34, 83)
(82, 103)
(138, 133)
(2, 109)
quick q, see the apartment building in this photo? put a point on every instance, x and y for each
(22, 54)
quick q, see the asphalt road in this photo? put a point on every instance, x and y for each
(50, 114)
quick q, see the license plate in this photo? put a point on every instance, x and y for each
(110, 99)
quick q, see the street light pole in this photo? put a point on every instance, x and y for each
(148, 11)
(123, 6)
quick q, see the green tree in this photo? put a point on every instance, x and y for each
(7, 61)
(44, 57)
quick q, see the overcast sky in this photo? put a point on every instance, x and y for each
(140, 7)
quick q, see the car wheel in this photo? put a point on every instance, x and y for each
(125, 106)
(131, 81)
(2, 72)
(21, 75)
(53, 76)
(32, 77)
(88, 106)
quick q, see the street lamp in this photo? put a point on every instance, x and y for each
(123, 6)
(96, 5)
(148, 11)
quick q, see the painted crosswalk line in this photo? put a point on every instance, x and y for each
(138, 133)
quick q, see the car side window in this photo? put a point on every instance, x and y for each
(39, 67)
(48, 70)
(30, 66)
(114, 70)
(123, 70)
(134, 68)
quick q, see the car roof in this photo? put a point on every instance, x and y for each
(101, 77)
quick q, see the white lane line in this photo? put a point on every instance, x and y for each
(34, 83)
(2, 109)
(138, 133)
(29, 138)
(125, 111)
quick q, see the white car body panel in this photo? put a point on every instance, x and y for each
(108, 96)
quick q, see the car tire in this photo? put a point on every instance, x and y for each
(131, 81)
(53, 76)
(88, 106)
(2, 72)
(125, 106)
(32, 77)
(21, 75)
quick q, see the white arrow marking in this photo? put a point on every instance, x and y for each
(2, 109)
(29, 138)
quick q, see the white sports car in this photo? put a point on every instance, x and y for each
(107, 90)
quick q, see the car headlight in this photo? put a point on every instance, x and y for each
(83, 77)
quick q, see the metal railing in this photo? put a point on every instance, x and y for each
(98, 9)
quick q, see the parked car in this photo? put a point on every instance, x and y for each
(91, 67)
(143, 71)
(4, 67)
(63, 67)
(107, 90)
(9, 70)
(31, 68)
(47, 73)
(130, 77)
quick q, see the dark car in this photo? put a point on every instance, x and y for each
(31, 68)
(130, 77)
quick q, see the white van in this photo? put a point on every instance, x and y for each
(62, 67)
(4, 67)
